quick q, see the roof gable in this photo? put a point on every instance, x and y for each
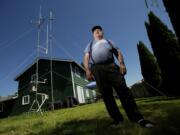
(44, 58)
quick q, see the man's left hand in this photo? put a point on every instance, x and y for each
(123, 69)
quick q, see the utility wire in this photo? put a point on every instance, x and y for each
(21, 64)
(60, 46)
(16, 39)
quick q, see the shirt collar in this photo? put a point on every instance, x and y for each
(95, 41)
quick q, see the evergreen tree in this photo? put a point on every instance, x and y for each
(167, 52)
(149, 67)
(172, 7)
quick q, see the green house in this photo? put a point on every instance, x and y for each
(68, 81)
(6, 105)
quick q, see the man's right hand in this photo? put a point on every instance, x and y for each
(89, 75)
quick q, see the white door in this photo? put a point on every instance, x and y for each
(80, 93)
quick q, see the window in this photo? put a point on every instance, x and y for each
(87, 93)
(94, 93)
(80, 93)
(25, 100)
(77, 72)
(1, 107)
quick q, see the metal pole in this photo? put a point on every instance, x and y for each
(37, 55)
(51, 60)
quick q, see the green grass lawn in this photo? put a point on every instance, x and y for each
(92, 119)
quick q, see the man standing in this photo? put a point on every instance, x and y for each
(108, 75)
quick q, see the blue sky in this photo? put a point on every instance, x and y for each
(122, 20)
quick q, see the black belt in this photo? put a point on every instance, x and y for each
(104, 63)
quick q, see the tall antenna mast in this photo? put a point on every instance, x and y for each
(38, 23)
(44, 49)
(51, 60)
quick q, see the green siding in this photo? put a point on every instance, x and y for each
(62, 82)
(80, 80)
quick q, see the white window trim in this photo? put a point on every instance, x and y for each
(2, 107)
(23, 102)
(82, 92)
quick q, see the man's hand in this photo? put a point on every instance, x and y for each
(89, 75)
(123, 70)
(121, 63)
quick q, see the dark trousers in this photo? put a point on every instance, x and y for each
(108, 76)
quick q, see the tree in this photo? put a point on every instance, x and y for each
(149, 67)
(167, 52)
(172, 8)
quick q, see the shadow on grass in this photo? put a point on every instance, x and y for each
(83, 127)
(168, 123)
(152, 99)
(165, 126)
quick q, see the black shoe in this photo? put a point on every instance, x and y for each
(116, 123)
(146, 123)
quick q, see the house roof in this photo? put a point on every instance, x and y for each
(45, 58)
(10, 97)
